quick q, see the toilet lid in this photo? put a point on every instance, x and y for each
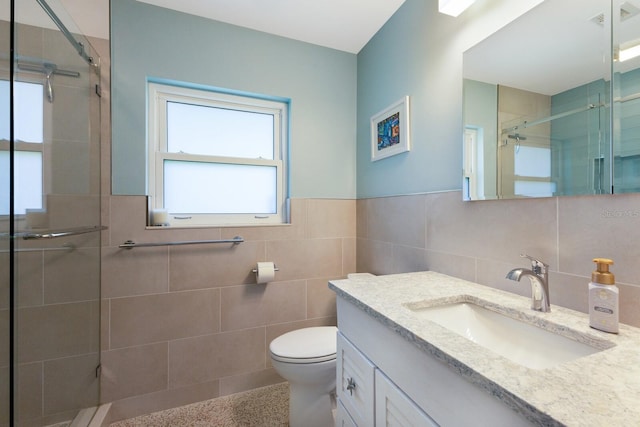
(308, 345)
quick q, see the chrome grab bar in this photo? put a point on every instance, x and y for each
(60, 233)
(130, 244)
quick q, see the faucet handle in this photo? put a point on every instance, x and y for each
(537, 265)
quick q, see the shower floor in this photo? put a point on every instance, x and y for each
(265, 406)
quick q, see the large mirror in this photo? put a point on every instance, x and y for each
(538, 96)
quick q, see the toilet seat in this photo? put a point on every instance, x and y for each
(304, 346)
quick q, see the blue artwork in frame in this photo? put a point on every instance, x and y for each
(390, 130)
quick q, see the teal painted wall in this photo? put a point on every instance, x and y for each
(152, 42)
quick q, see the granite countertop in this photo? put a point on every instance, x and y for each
(595, 390)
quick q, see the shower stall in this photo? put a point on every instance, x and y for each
(50, 214)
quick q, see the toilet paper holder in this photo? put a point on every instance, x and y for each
(275, 268)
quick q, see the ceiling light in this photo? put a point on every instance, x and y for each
(628, 53)
(454, 7)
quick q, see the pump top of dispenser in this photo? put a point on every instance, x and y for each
(602, 274)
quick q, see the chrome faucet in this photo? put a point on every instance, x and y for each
(539, 278)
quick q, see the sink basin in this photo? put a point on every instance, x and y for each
(520, 342)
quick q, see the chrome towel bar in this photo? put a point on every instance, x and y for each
(130, 244)
(60, 233)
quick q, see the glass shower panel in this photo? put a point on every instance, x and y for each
(580, 139)
(5, 222)
(626, 98)
(56, 257)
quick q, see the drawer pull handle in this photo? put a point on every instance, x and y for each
(351, 385)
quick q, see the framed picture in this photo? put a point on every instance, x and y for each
(390, 131)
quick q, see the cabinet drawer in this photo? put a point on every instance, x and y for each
(394, 408)
(355, 382)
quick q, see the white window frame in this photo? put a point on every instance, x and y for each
(158, 97)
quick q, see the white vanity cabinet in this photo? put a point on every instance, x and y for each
(355, 382)
(366, 397)
(385, 380)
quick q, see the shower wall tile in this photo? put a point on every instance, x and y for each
(105, 321)
(210, 357)
(103, 47)
(30, 390)
(57, 46)
(4, 283)
(70, 161)
(30, 278)
(28, 39)
(5, 336)
(4, 393)
(258, 305)
(67, 325)
(134, 371)
(163, 317)
(208, 266)
(60, 286)
(64, 389)
(70, 127)
(73, 210)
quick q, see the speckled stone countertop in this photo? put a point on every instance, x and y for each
(601, 389)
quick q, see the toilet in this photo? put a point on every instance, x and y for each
(307, 359)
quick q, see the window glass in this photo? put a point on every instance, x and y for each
(198, 129)
(28, 133)
(28, 178)
(28, 111)
(533, 161)
(219, 188)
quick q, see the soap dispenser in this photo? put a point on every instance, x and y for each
(603, 298)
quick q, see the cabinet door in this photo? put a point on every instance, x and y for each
(394, 408)
(355, 382)
(343, 419)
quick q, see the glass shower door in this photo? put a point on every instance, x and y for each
(5, 222)
(54, 213)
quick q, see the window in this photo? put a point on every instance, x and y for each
(532, 168)
(29, 141)
(216, 158)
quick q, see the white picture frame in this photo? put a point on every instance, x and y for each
(390, 130)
